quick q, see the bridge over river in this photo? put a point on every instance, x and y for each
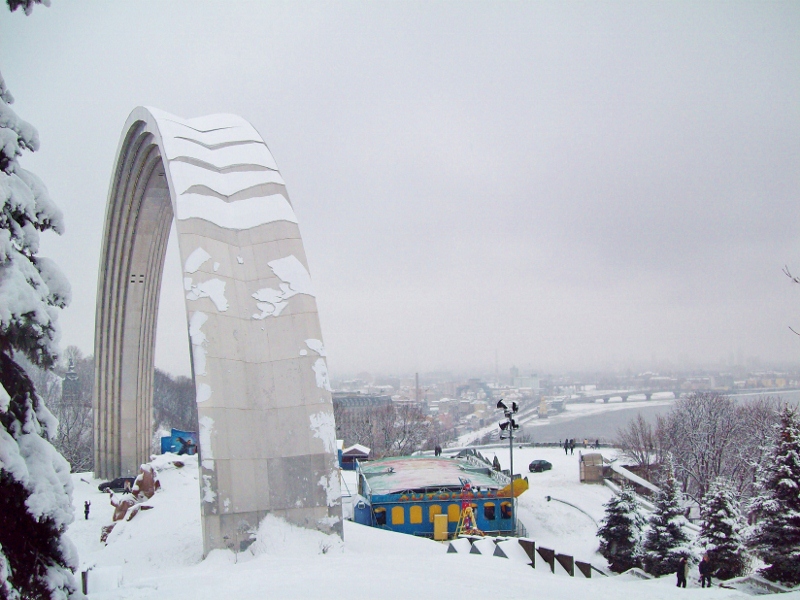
(606, 396)
(663, 394)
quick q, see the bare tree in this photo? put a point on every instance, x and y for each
(391, 430)
(174, 402)
(752, 449)
(74, 409)
(67, 392)
(384, 420)
(638, 442)
(354, 426)
(410, 429)
(437, 435)
(701, 433)
(711, 436)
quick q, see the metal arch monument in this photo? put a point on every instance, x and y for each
(267, 436)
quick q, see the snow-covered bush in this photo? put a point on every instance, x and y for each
(775, 537)
(666, 542)
(721, 532)
(36, 559)
(620, 532)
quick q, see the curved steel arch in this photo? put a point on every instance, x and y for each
(267, 434)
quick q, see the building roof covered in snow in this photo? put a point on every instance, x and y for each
(356, 450)
(399, 474)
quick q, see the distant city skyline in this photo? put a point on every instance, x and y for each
(726, 373)
(562, 185)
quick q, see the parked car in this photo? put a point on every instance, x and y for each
(117, 485)
(537, 466)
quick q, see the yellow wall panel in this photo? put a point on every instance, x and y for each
(434, 510)
(454, 512)
(415, 514)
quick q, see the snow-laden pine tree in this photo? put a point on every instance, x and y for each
(721, 532)
(621, 530)
(775, 538)
(36, 558)
(26, 5)
(666, 540)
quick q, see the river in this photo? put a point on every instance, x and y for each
(603, 424)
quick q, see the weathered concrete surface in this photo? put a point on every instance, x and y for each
(267, 435)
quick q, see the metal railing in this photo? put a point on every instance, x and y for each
(499, 477)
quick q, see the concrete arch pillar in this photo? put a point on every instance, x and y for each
(267, 435)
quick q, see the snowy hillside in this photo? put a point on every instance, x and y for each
(554, 524)
(158, 553)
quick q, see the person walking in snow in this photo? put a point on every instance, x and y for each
(566, 447)
(86, 506)
(683, 571)
(572, 446)
(705, 571)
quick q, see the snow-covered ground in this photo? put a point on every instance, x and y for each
(554, 524)
(158, 554)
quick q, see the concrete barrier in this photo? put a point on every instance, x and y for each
(548, 556)
(584, 569)
(755, 584)
(512, 550)
(525, 550)
(485, 547)
(529, 546)
(459, 546)
(567, 562)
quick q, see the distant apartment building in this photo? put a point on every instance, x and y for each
(531, 382)
(350, 407)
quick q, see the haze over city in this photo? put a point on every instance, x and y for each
(560, 186)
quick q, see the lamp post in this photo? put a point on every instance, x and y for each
(507, 428)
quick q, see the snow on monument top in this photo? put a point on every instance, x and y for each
(219, 169)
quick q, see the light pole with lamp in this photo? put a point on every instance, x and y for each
(507, 428)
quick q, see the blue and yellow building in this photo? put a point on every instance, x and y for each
(404, 494)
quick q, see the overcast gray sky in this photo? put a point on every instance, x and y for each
(572, 185)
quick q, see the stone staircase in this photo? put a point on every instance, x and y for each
(524, 550)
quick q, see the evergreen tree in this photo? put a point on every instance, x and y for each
(620, 532)
(36, 558)
(665, 541)
(721, 532)
(26, 5)
(776, 535)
